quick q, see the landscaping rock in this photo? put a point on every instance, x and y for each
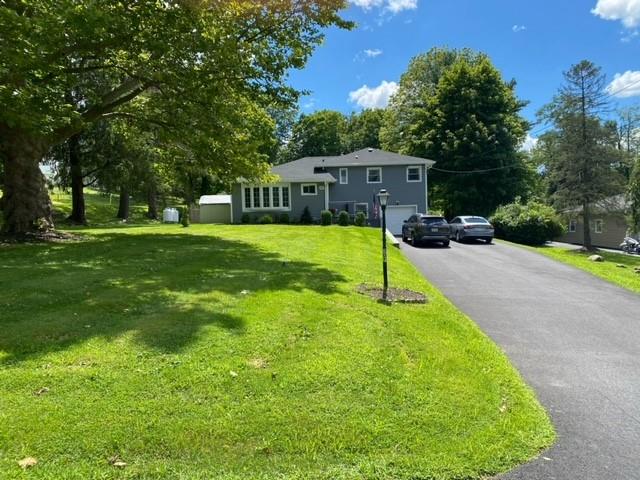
(596, 258)
(619, 265)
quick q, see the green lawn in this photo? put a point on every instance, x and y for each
(608, 270)
(242, 352)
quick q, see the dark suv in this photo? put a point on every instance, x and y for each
(425, 228)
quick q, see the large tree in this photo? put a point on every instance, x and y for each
(208, 68)
(417, 85)
(582, 168)
(363, 130)
(470, 124)
(320, 133)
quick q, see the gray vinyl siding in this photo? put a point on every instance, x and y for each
(297, 202)
(394, 180)
(614, 229)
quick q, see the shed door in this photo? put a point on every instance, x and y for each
(215, 213)
(396, 215)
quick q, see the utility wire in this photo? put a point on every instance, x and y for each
(515, 165)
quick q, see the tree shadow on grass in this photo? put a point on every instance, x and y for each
(164, 289)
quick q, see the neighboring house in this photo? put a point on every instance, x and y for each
(608, 224)
(346, 182)
(214, 209)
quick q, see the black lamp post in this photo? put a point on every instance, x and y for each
(383, 198)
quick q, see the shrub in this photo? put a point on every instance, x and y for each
(343, 218)
(361, 219)
(533, 223)
(246, 218)
(325, 217)
(265, 220)
(306, 218)
(186, 221)
(283, 218)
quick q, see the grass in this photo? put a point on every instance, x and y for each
(236, 352)
(608, 270)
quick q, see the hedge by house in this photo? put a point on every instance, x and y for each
(532, 223)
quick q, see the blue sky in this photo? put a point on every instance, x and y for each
(531, 42)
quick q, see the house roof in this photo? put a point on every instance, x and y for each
(302, 170)
(614, 204)
(215, 200)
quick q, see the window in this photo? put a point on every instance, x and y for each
(344, 176)
(374, 175)
(363, 207)
(414, 174)
(598, 226)
(308, 189)
(265, 198)
(573, 223)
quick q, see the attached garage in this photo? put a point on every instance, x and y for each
(397, 214)
(215, 209)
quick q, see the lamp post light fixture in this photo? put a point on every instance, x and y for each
(383, 198)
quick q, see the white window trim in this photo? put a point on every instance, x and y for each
(374, 168)
(346, 176)
(597, 223)
(261, 208)
(366, 210)
(573, 225)
(419, 174)
(315, 189)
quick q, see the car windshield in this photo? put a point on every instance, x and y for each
(475, 220)
(434, 221)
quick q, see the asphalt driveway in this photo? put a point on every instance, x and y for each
(573, 337)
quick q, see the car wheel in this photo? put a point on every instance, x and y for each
(445, 244)
(404, 237)
(489, 240)
(414, 242)
(458, 237)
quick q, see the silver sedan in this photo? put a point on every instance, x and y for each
(471, 228)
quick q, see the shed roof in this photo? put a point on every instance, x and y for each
(215, 200)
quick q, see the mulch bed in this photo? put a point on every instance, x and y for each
(394, 295)
(49, 236)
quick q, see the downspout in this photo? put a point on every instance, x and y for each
(326, 195)
(426, 188)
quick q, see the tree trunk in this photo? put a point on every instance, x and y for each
(123, 204)
(586, 220)
(78, 214)
(26, 204)
(152, 202)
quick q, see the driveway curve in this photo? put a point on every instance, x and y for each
(574, 338)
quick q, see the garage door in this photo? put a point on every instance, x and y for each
(215, 213)
(396, 215)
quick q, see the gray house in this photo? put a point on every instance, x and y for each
(346, 182)
(608, 224)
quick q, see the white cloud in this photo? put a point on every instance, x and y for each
(376, 97)
(529, 143)
(396, 6)
(627, 11)
(518, 28)
(625, 84)
(627, 37)
(393, 6)
(371, 53)
(309, 104)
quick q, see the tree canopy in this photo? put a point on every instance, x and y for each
(455, 108)
(209, 68)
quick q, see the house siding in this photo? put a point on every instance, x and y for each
(297, 202)
(614, 229)
(394, 180)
